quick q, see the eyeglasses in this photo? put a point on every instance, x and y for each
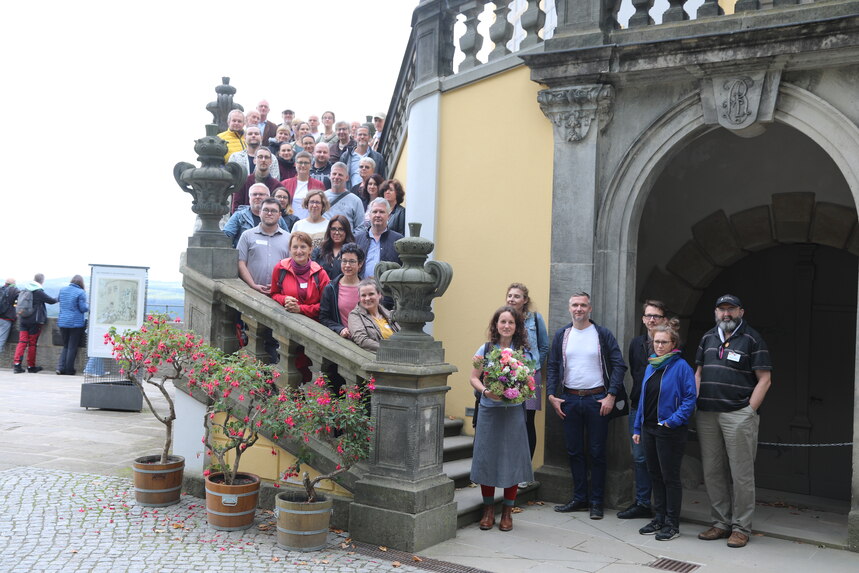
(271, 211)
(349, 262)
(302, 163)
(314, 202)
(654, 316)
(337, 230)
(661, 342)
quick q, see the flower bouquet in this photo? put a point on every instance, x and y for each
(508, 374)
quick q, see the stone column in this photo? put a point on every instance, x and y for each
(579, 114)
(406, 501)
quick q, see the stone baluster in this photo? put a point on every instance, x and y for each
(256, 338)
(675, 12)
(500, 31)
(532, 21)
(747, 6)
(641, 16)
(470, 42)
(709, 8)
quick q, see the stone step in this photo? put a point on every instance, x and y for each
(457, 448)
(453, 426)
(469, 502)
(459, 471)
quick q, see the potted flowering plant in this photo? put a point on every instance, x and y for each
(338, 419)
(240, 390)
(155, 353)
(508, 374)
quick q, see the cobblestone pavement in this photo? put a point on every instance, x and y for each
(54, 520)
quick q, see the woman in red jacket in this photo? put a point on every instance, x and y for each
(297, 282)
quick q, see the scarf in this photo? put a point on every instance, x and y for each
(660, 362)
(302, 272)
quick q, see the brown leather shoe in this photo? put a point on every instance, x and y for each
(488, 519)
(738, 539)
(714, 533)
(506, 523)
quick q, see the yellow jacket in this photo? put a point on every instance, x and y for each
(235, 142)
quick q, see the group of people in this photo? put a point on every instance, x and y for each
(584, 385)
(27, 306)
(295, 159)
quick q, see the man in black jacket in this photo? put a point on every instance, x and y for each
(8, 296)
(30, 324)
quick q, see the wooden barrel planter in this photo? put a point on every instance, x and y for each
(231, 507)
(302, 526)
(157, 484)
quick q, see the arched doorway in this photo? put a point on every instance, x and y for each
(802, 299)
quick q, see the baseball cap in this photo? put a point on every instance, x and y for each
(729, 299)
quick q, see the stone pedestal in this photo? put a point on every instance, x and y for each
(405, 501)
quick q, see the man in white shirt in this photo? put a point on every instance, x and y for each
(584, 385)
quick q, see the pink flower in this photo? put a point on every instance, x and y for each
(511, 393)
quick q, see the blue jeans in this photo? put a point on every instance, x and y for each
(639, 465)
(582, 421)
(5, 327)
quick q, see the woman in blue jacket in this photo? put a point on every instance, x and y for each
(72, 323)
(667, 401)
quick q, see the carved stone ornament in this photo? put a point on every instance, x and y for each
(742, 101)
(572, 110)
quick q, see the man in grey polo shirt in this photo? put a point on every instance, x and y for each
(261, 247)
(733, 376)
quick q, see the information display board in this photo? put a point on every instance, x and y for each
(117, 298)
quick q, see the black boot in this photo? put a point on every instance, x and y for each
(34, 369)
(17, 369)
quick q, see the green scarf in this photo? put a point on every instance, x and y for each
(659, 362)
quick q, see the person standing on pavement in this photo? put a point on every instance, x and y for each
(661, 426)
(733, 376)
(585, 387)
(72, 323)
(32, 314)
(8, 296)
(640, 348)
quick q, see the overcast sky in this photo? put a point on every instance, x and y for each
(108, 96)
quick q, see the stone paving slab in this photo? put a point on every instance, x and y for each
(53, 520)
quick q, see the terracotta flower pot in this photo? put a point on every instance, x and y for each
(302, 526)
(157, 484)
(231, 507)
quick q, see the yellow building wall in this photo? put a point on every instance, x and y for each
(494, 215)
(399, 171)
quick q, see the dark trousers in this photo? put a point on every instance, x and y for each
(28, 337)
(664, 449)
(71, 342)
(531, 429)
(583, 422)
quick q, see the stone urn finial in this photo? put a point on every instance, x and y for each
(413, 286)
(210, 185)
(223, 105)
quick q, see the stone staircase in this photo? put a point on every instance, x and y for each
(457, 466)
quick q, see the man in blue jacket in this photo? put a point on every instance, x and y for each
(585, 387)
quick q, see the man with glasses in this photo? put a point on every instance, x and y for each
(247, 157)
(640, 349)
(352, 157)
(247, 216)
(261, 247)
(344, 140)
(299, 185)
(262, 174)
(733, 376)
(342, 201)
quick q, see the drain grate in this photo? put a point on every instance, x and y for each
(666, 564)
(409, 559)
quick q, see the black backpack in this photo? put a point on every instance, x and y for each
(7, 299)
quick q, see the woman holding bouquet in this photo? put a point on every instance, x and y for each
(501, 455)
